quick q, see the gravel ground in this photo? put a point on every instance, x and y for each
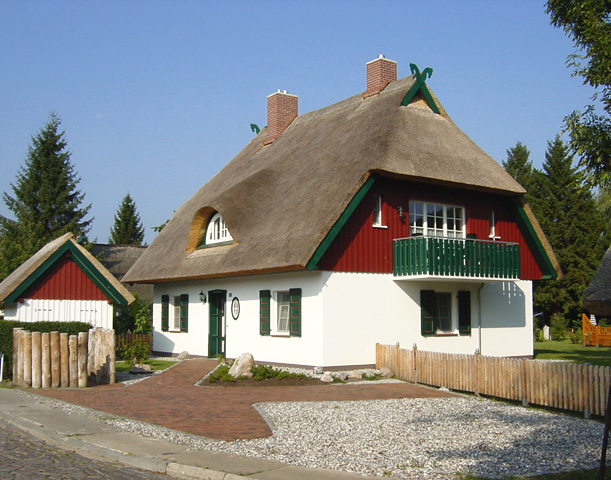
(408, 438)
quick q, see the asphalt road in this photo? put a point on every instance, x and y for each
(24, 457)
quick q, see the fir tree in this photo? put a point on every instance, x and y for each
(519, 166)
(573, 224)
(46, 202)
(128, 229)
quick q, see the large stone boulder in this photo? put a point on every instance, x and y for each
(242, 365)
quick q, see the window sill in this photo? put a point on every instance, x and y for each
(281, 335)
(380, 226)
(446, 334)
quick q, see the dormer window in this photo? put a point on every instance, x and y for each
(216, 232)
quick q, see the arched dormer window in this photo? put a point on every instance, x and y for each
(216, 231)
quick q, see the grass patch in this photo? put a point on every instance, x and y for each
(575, 353)
(156, 365)
(575, 475)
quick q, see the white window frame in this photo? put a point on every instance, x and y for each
(217, 231)
(492, 235)
(435, 211)
(377, 212)
(175, 326)
(453, 316)
(282, 312)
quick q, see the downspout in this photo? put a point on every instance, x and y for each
(479, 308)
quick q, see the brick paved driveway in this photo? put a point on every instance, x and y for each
(171, 400)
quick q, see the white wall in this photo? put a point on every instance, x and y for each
(507, 321)
(242, 335)
(97, 312)
(363, 309)
(345, 314)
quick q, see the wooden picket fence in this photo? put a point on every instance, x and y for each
(594, 335)
(53, 360)
(562, 385)
(127, 340)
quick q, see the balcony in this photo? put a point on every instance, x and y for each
(462, 258)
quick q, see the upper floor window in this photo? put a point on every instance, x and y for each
(377, 211)
(216, 232)
(436, 220)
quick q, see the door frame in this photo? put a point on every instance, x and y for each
(217, 298)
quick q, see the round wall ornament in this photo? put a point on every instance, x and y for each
(235, 308)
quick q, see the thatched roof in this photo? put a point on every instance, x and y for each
(279, 201)
(35, 267)
(118, 259)
(597, 297)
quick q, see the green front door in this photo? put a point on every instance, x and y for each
(216, 330)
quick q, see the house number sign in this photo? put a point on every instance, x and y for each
(235, 308)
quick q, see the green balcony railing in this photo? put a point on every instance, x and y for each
(456, 257)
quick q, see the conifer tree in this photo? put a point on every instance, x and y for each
(127, 229)
(573, 224)
(519, 166)
(46, 202)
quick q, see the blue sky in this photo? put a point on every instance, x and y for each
(156, 97)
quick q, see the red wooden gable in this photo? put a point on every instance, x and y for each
(65, 281)
(360, 247)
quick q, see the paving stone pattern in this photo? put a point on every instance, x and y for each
(24, 457)
(172, 400)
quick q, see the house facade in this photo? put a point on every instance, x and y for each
(63, 282)
(374, 220)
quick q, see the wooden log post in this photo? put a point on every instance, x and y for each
(73, 360)
(476, 359)
(64, 356)
(36, 360)
(55, 360)
(415, 354)
(16, 334)
(91, 357)
(27, 358)
(45, 359)
(82, 359)
(110, 355)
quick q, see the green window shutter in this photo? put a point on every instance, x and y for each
(464, 312)
(264, 311)
(427, 307)
(165, 312)
(184, 313)
(295, 312)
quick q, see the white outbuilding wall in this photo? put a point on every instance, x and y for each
(97, 312)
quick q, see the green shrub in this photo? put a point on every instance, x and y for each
(137, 352)
(6, 336)
(262, 372)
(558, 327)
(221, 374)
(576, 337)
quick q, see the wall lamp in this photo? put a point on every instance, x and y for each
(401, 214)
(202, 296)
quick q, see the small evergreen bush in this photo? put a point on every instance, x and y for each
(558, 327)
(576, 337)
(137, 352)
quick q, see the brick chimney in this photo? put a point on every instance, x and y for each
(380, 72)
(281, 111)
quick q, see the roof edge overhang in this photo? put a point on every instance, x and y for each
(536, 240)
(241, 273)
(114, 294)
(447, 183)
(364, 187)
